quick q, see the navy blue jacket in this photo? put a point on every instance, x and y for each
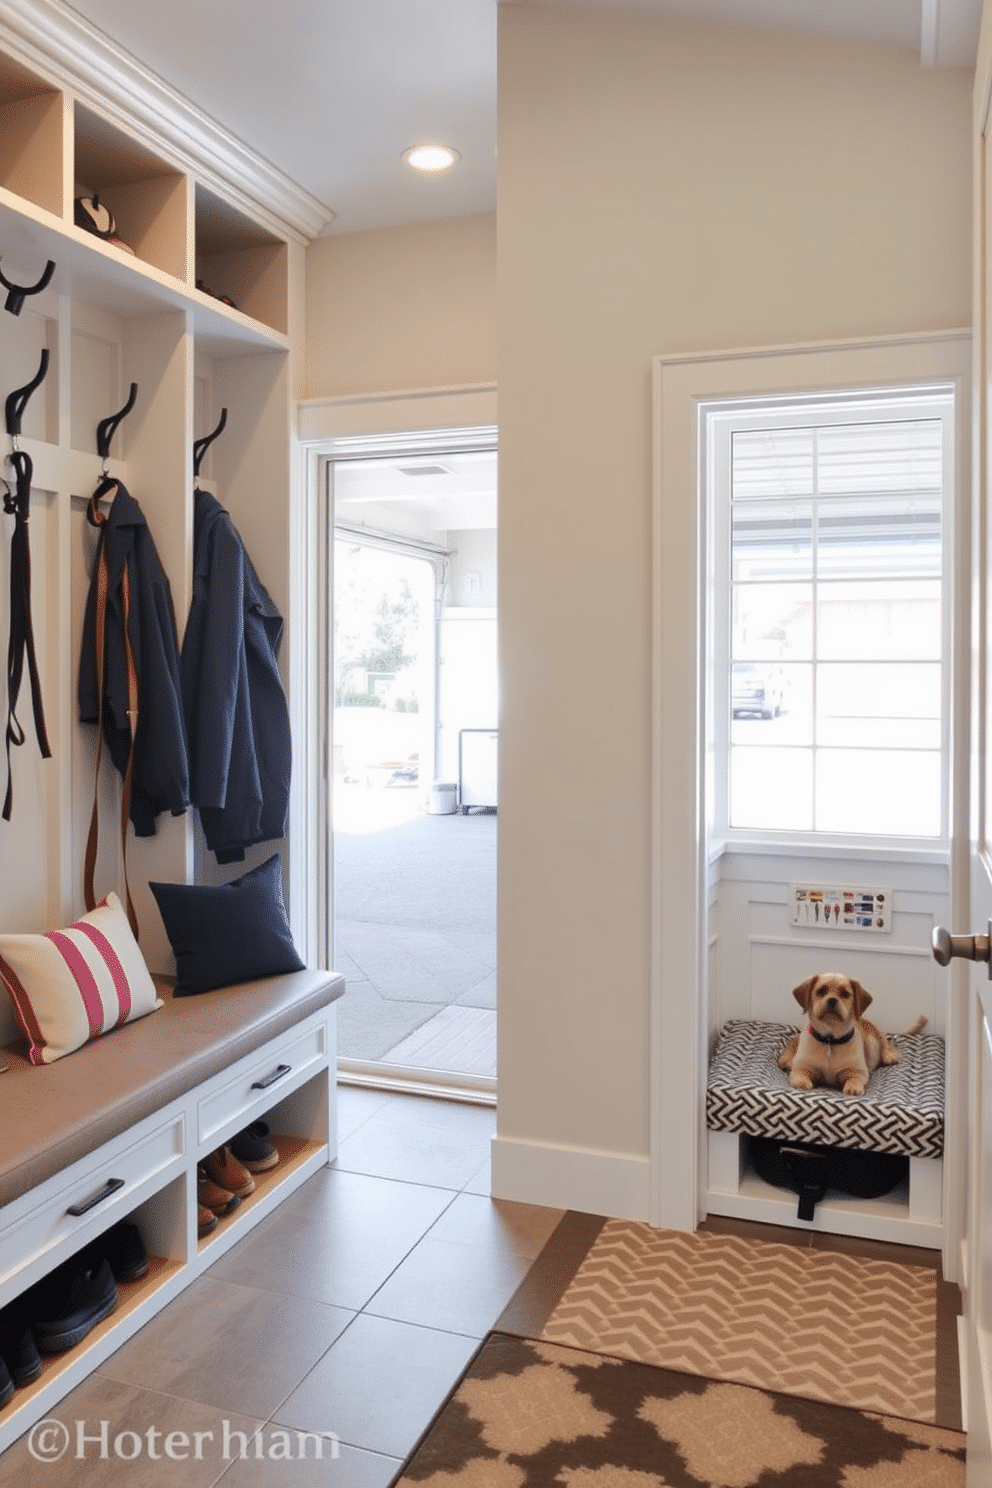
(237, 719)
(161, 769)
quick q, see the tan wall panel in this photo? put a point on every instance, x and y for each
(404, 307)
(664, 186)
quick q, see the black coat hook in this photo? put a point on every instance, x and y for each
(107, 428)
(200, 446)
(17, 293)
(17, 400)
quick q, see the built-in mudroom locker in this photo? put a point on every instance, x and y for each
(161, 284)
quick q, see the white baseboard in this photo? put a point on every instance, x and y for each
(615, 1184)
(963, 1370)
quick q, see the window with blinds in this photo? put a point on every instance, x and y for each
(833, 627)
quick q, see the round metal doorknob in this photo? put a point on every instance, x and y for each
(947, 946)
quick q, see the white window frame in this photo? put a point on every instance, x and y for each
(719, 419)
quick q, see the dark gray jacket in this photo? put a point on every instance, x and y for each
(237, 719)
(161, 768)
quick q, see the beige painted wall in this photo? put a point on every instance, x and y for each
(663, 187)
(403, 307)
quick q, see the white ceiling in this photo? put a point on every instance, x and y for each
(426, 494)
(332, 91)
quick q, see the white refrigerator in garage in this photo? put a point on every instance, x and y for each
(478, 763)
(468, 703)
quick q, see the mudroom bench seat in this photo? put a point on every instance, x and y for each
(115, 1131)
(901, 1112)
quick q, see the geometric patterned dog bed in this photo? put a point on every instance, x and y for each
(901, 1111)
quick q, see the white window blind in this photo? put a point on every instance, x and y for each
(831, 679)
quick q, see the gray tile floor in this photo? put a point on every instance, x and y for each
(352, 1310)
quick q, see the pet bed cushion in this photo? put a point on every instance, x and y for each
(901, 1111)
(71, 985)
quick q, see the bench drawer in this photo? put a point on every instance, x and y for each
(261, 1082)
(88, 1197)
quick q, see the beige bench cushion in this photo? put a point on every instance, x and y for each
(55, 1114)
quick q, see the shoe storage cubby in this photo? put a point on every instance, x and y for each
(298, 1131)
(157, 1161)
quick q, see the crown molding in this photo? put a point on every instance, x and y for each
(59, 44)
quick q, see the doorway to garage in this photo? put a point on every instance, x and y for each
(413, 785)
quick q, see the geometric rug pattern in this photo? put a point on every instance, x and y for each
(810, 1323)
(532, 1415)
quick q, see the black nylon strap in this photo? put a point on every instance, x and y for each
(20, 644)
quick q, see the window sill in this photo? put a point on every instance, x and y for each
(853, 850)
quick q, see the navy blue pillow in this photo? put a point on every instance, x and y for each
(223, 933)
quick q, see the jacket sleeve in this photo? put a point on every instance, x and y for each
(161, 763)
(213, 671)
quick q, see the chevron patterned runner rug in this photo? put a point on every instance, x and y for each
(809, 1323)
(531, 1415)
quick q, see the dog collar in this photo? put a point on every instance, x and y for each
(828, 1038)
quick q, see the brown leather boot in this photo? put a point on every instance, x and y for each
(223, 1167)
(206, 1220)
(211, 1195)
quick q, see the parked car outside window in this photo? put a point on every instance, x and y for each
(756, 689)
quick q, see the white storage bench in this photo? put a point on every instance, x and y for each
(117, 1128)
(902, 1111)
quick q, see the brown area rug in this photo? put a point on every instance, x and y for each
(813, 1323)
(532, 1415)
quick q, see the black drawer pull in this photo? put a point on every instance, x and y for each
(277, 1074)
(85, 1205)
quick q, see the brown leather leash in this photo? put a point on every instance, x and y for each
(99, 520)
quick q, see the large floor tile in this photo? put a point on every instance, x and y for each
(336, 1240)
(379, 1385)
(232, 1347)
(463, 1288)
(348, 1467)
(150, 1440)
(481, 1181)
(355, 1105)
(497, 1225)
(406, 1143)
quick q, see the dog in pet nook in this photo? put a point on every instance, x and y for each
(839, 1046)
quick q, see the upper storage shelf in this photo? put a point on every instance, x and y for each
(177, 244)
(146, 197)
(240, 262)
(32, 137)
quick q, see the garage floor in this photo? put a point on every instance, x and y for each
(415, 934)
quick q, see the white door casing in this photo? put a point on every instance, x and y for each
(683, 385)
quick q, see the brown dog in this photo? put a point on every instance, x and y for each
(838, 1046)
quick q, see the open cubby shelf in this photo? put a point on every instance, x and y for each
(294, 1152)
(54, 148)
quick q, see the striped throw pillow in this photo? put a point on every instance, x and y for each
(69, 986)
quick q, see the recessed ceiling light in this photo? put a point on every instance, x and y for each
(430, 158)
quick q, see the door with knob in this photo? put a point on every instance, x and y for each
(968, 1106)
(946, 947)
